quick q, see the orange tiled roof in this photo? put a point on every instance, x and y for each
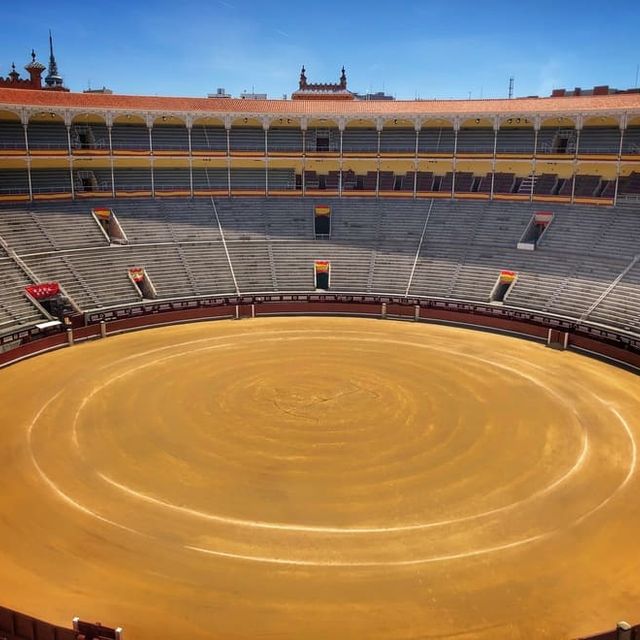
(565, 105)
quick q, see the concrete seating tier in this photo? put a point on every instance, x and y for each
(442, 248)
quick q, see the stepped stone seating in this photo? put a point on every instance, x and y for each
(621, 307)
(208, 138)
(132, 179)
(11, 135)
(45, 136)
(133, 137)
(92, 135)
(50, 181)
(631, 184)
(631, 141)
(398, 140)
(360, 140)
(16, 310)
(475, 140)
(46, 226)
(515, 141)
(246, 139)
(599, 140)
(204, 179)
(502, 183)
(436, 141)
(546, 184)
(546, 139)
(285, 139)
(370, 181)
(372, 248)
(171, 179)
(586, 186)
(14, 181)
(169, 138)
(589, 278)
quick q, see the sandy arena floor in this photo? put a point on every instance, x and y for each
(318, 479)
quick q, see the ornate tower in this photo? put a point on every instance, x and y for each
(54, 79)
(35, 70)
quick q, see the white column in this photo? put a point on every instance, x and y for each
(341, 126)
(303, 128)
(379, 125)
(456, 128)
(227, 126)
(623, 126)
(29, 179)
(496, 128)
(265, 126)
(150, 128)
(418, 126)
(575, 157)
(189, 124)
(109, 123)
(70, 157)
(534, 161)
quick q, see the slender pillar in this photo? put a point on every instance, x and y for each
(418, 126)
(29, 179)
(227, 126)
(623, 127)
(24, 118)
(379, 126)
(266, 158)
(534, 162)
(189, 126)
(575, 160)
(153, 184)
(113, 180)
(341, 160)
(456, 128)
(304, 157)
(496, 128)
(70, 157)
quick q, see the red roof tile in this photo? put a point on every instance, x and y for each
(93, 101)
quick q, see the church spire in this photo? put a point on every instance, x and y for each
(53, 79)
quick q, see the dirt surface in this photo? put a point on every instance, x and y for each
(320, 478)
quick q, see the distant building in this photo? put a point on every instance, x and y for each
(103, 90)
(379, 95)
(602, 90)
(220, 93)
(253, 96)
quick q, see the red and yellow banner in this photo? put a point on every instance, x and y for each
(102, 213)
(322, 266)
(322, 210)
(136, 273)
(43, 290)
(507, 277)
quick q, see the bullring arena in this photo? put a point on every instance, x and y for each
(350, 477)
(319, 367)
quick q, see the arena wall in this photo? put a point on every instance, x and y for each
(616, 347)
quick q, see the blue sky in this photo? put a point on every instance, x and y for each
(421, 48)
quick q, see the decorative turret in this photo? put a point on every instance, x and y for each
(14, 75)
(35, 70)
(322, 91)
(54, 79)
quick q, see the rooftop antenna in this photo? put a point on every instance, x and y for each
(637, 74)
(511, 83)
